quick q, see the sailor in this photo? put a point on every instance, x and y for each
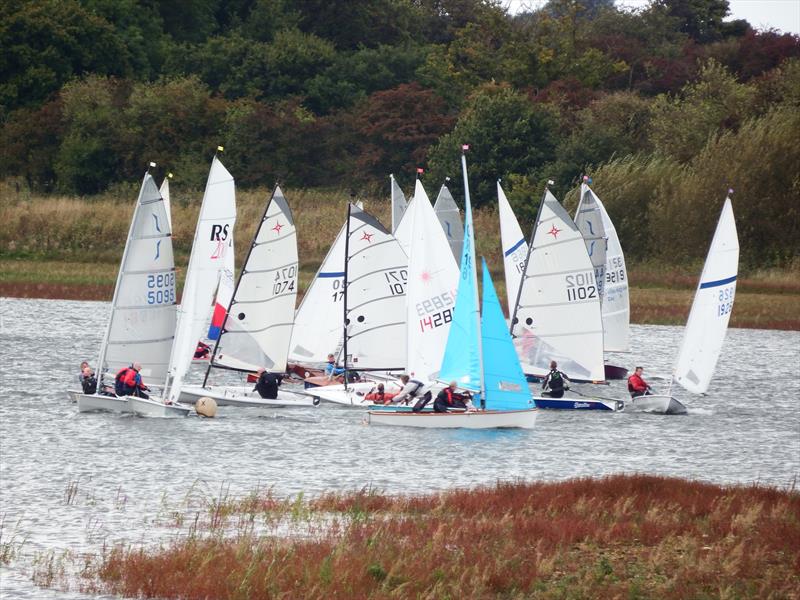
(88, 380)
(331, 370)
(411, 389)
(267, 384)
(128, 382)
(556, 381)
(84, 365)
(202, 350)
(449, 398)
(637, 386)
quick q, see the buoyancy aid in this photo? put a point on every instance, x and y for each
(385, 397)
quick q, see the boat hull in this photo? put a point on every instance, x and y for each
(354, 395)
(151, 407)
(659, 404)
(615, 372)
(572, 403)
(100, 403)
(73, 395)
(244, 397)
(488, 419)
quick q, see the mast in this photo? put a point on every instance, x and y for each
(527, 259)
(344, 290)
(471, 232)
(104, 343)
(238, 281)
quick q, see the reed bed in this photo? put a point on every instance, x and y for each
(633, 536)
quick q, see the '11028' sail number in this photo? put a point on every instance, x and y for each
(580, 286)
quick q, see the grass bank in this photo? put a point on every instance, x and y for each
(621, 536)
(66, 247)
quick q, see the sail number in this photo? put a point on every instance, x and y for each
(580, 286)
(285, 279)
(615, 270)
(725, 304)
(397, 281)
(436, 320)
(338, 290)
(161, 288)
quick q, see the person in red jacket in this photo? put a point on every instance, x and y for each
(636, 385)
(129, 382)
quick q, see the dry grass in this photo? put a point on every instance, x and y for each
(622, 536)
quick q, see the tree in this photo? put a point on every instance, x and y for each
(702, 20)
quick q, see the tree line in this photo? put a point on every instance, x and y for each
(666, 106)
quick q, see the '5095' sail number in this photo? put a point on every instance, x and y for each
(161, 288)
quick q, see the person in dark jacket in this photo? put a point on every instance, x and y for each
(88, 381)
(267, 384)
(556, 381)
(449, 399)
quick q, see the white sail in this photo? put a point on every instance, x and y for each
(557, 316)
(164, 191)
(375, 300)
(612, 278)
(432, 284)
(258, 329)
(515, 248)
(398, 203)
(318, 322)
(404, 232)
(142, 323)
(449, 216)
(214, 224)
(711, 309)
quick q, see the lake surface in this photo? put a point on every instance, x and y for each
(71, 482)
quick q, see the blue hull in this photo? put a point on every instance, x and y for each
(578, 404)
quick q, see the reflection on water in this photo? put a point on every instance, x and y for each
(72, 482)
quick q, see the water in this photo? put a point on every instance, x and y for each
(127, 474)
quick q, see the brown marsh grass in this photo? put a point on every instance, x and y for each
(633, 536)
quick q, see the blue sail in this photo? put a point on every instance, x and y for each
(506, 388)
(462, 354)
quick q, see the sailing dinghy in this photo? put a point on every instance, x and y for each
(258, 329)
(708, 321)
(606, 255)
(479, 356)
(449, 216)
(141, 326)
(214, 224)
(373, 305)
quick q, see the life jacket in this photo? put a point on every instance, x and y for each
(556, 382)
(384, 397)
(119, 381)
(89, 384)
(413, 393)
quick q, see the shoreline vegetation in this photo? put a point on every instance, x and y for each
(69, 248)
(634, 536)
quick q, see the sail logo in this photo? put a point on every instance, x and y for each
(219, 233)
(554, 231)
(367, 237)
(157, 226)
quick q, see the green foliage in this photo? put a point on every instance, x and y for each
(507, 134)
(681, 125)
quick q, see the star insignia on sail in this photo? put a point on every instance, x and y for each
(367, 236)
(426, 277)
(554, 231)
(277, 228)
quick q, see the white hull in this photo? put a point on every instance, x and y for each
(354, 395)
(489, 419)
(73, 395)
(244, 397)
(153, 407)
(658, 404)
(98, 403)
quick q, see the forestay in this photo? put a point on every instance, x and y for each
(376, 272)
(557, 315)
(142, 323)
(605, 251)
(214, 224)
(711, 309)
(258, 329)
(449, 216)
(462, 357)
(504, 381)
(399, 203)
(318, 322)
(432, 283)
(515, 249)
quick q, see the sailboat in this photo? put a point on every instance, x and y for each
(399, 203)
(258, 328)
(373, 305)
(708, 320)
(141, 326)
(215, 222)
(449, 216)
(479, 356)
(515, 248)
(606, 255)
